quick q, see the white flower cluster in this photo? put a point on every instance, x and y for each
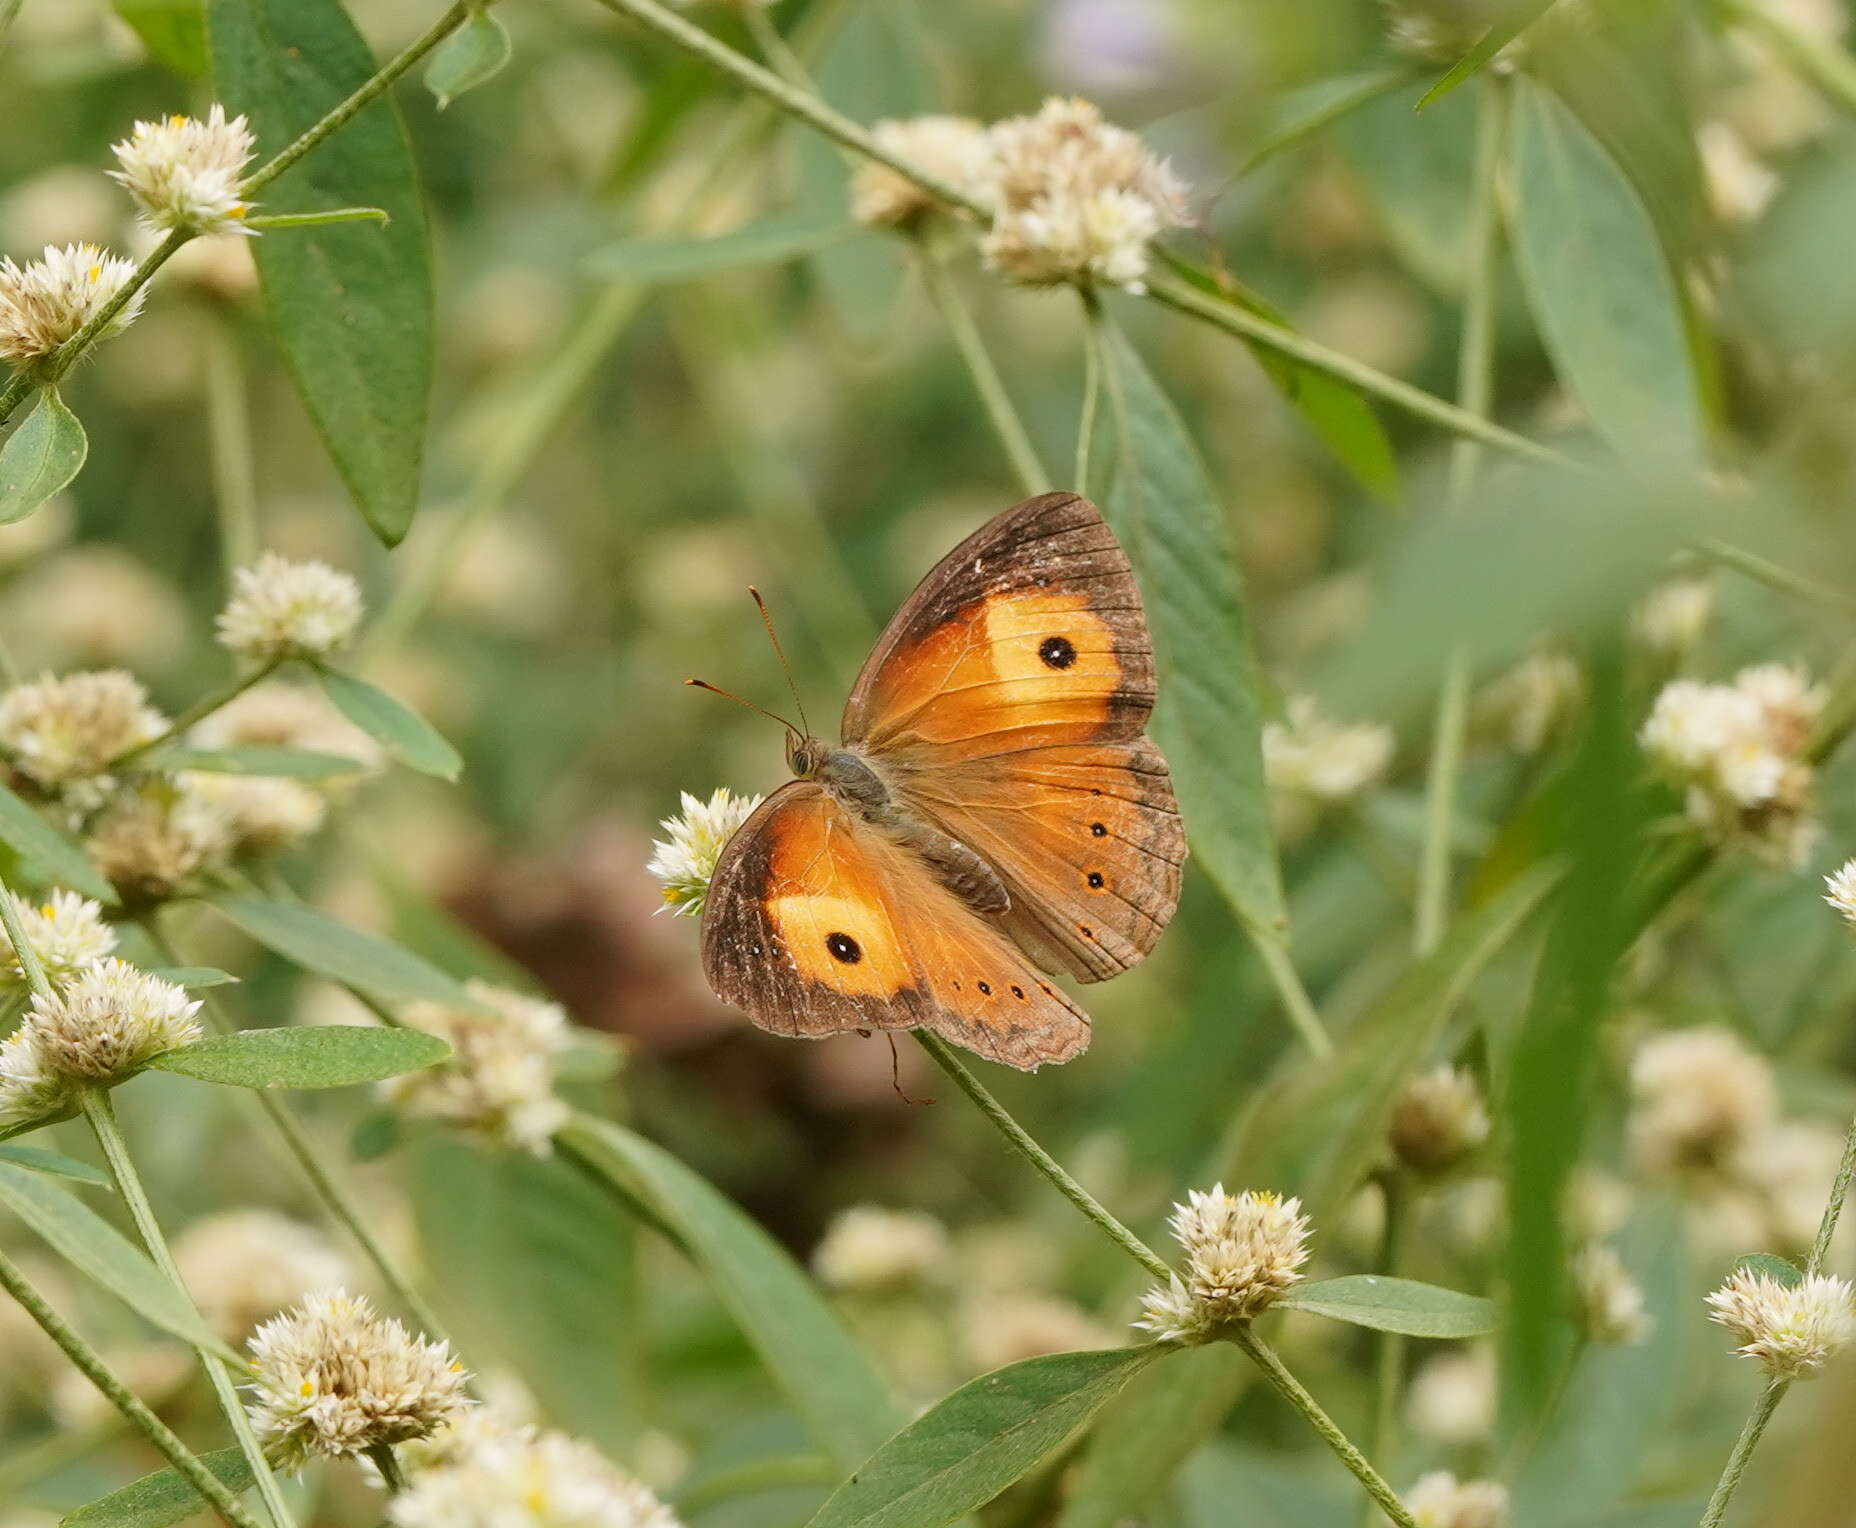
(46, 301)
(184, 173)
(1307, 754)
(1438, 1120)
(957, 151)
(1670, 619)
(1532, 702)
(1739, 750)
(154, 837)
(1607, 1300)
(498, 1082)
(1791, 1329)
(66, 932)
(523, 1478)
(1242, 1252)
(97, 1028)
(243, 1267)
(1440, 1500)
(685, 861)
(333, 1378)
(281, 609)
(65, 732)
(870, 1250)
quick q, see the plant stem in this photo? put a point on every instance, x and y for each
(1748, 1440)
(323, 1181)
(1092, 391)
(1475, 369)
(196, 713)
(1833, 1210)
(773, 47)
(1824, 64)
(1292, 1390)
(1769, 573)
(446, 24)
(1039, 1158)
(119, 1395)
(1010, 429)
(101, 1116)
(30, 966)
(1391, 1372)
(228, 432)
(389, 1466)
(1279, 966)
(1434, 857)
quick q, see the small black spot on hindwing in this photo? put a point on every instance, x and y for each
(1098, 830)
(986, 987)
(1095, 879)
(1057, 652)
(844, 949)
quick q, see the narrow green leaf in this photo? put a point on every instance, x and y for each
(1395, 1305)
(766, 243)
(1301, 114)
(264, 221)
(97, 1250)
(173, 31)
(351, 305)
(321, 1056)
(1168, 516)
(399, 729)
(1522, 15)
(256, 759)
(474, 53)
(162, 1499)
(1600, 285)
(39, 1160)
(58, 861)
(811, 1356)
(964, 1451)
(1778, 1269)
(318, 943)
(194, 976)
(41, 456)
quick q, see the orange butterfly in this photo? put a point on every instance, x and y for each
(994, 813)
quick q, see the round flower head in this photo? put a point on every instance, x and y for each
(243, 1267)
(1438, 1120)
(1079, 199)
(184, 173)
(151, 840)
(1691, 724)
(1242, 1253)
(1440, 1500)
(333, 1378)
(528, 1479)
(1307, 754)
(1001, 1329)
(1532, 702)
(1697, 1097)
(1607, 1299)
(262, 813)
(1840, 891)
(1792, 1329)
(58, 731)
(498, 1081)
(282, 715)
(685, 862)
(281, 609)
(1453, 1397)
(44, 303)
(870, 1250)
(66, 932)
(1673, 615)
(957, 151)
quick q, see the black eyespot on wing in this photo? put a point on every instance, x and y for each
(844, 949)
(1057, 652)
(986, 987)
(1095, 879)
(1018, 992)
(1085, 930)
(1098, 830)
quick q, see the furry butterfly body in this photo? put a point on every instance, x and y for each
(993, 816)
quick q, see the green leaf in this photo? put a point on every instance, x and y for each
(59, 861)
(1778, 1269)
(374, 1135)
(42, 455)
(399, 729)
(1600, 285)
(1522, 15)
(194, 976)
(1168, 516)
(162, 1499)
(316, 942)
(351, 305)
(1395, 1305)
(1304, 112)
(965, 1450)
(811, 1356)
(39, 1160)
(97, 1250)
(1418, 174)
(767, 243)
(256, 759)
(474, 53)
(173, 31)
(321, 1056)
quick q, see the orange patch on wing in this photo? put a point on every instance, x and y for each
(827, 906)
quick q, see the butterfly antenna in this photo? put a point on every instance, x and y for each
(766, 619)
(714, 689)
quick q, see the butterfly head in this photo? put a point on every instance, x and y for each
(806, 756)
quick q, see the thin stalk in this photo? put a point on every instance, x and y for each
(774, 48)
(1092, 391)
(1823, 63)
(415, 50)
(101, 1116)
(1833, 1210)
(1763, 571)
(30, 966)
(317, 219)
(1390, 1376)
(1475, 367)
(327, 1187)
(1434, 857)
(1293, 1391)
(1744, 1445)
(228, 434)
(1279, 966)
(387, 1462)
(88, 1363)
(196, 713)
(1038, 1157)
(1010, 429)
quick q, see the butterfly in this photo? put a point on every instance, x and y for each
(993, 817)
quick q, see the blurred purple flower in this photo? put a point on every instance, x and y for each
(1110, 47)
